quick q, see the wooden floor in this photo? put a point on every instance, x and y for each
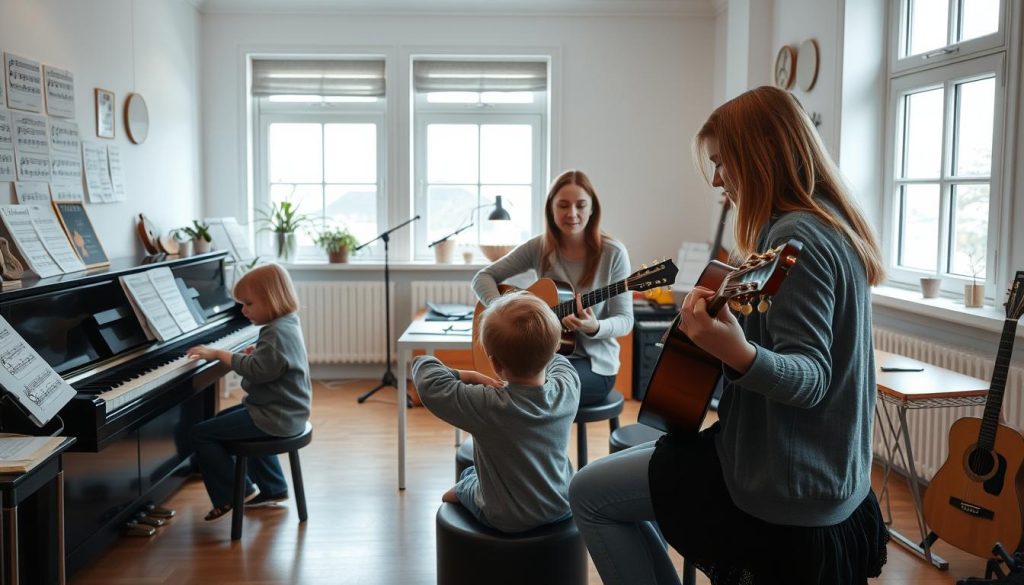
(361, 528)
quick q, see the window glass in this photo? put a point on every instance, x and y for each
(923, 134)
(295, 152)
(928, 21)
(920, 229)
(975, 107)
(506, 153)
(970, 230)
(980, 18)
(452, 153)
(350, 153)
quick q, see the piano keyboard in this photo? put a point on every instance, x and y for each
(154, 377)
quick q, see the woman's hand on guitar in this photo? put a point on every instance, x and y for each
(583, 320)
(721, 335)
(474, 377)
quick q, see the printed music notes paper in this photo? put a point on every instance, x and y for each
(97, 172)
(60, 91)
(172, 298)
(52, 235)
(149, 307)
(7, 164)
(20, 226)
(239, 240)
(32, 192)
(24, 83)
(116, 173)
(29, 379)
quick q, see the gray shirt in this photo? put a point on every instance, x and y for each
(614, 316)
(275, 377)
(520, 439)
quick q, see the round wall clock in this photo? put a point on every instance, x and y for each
(807, 65)
(785, 67)
(136, 118)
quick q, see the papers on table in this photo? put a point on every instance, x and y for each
(26, 376)
(158, 303)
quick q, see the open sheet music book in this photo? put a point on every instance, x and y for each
(158, 303)
(20, 453)
(26, 376)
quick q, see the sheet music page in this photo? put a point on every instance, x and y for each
(18, 219)
(239, 239)
(221, 240)
(97, 173)
(54, 239)
(141, 289)
(29, 379)
(20, 448)
(170, 294)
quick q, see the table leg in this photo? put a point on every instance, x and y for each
(403, 398)
(11, 552)
(60, 529)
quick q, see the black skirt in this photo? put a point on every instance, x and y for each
(700, 520)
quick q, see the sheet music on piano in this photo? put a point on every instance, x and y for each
(158, 303)
(26, 376)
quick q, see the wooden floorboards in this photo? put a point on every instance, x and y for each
(361, 528)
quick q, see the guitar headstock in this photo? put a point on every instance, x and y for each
(661, 273)
(759, 276)
(1015, 300)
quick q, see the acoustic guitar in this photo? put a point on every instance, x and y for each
(562, 300)
(684, 379)
(974, 500)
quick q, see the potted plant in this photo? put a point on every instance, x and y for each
(337, 242)
(198, 233)
(283, 220)
(974, 291)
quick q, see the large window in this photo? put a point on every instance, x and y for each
(947, 94)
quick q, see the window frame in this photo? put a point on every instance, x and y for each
(952, 51)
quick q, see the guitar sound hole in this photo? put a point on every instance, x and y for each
(981, 462)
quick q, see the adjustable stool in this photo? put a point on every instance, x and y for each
(609, 409)
(258, 448)
(632, 435)
(469, 553)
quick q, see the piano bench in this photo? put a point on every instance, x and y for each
(258, 448)
(609, 409)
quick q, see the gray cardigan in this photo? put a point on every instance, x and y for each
(614, 316)
(275, 377)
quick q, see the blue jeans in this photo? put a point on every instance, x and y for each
(218, 466)
(594, 388)
(611, 502)
(466, 489)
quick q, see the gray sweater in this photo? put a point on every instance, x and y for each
(614, 316)
(520, 439)
(275, 377)
(795, 440)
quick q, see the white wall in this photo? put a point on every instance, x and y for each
(629, 93)
(143, 46)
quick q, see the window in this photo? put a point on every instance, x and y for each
(947, 92)
(480, 133)
(320, 144)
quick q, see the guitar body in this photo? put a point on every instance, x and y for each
(971, 510)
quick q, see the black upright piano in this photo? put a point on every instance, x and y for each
(136, 399)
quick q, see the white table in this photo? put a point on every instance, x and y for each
(428, 336)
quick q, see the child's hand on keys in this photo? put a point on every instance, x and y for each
(474, 377)
(200, 352)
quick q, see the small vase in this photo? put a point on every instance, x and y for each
(185, 248)
(974, 295)
(339, 257)
(200, 245)
(285, 246)
(444, 251)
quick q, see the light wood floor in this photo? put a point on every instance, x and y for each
(361, 528)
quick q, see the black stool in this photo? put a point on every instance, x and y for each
(609, 409)
(257, 448)
(630, 436)
(463, 457)
(469, 553)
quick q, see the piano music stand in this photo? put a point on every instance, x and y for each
(389, 378)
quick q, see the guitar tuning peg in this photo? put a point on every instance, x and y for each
(746, 309)
(764, 305)
(736, 305)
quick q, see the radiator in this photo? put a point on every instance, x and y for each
(343, 322)
(441, 291)
(929, 428)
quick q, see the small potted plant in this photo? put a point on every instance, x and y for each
(337, 242)
(974, 291)
(283, 220)
(198, 233)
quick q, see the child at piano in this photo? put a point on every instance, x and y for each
(520, 428)
(275, 377)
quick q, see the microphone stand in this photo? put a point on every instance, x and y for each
(451, 235)
(389, 378)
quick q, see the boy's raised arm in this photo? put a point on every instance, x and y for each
(458, 403)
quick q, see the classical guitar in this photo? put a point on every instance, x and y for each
(974, 500)
(684, 379)
(562, 299)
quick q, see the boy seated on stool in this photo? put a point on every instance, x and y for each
(520, 428)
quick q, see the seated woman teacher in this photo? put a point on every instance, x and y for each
(573, 250)
(779, 489)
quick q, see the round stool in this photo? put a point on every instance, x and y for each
(469, 553)
(463, 457)
(258, 448)
(609, 409)
(630, 436)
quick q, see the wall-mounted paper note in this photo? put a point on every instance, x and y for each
(24, 83)
(32, 192)
(60, 91)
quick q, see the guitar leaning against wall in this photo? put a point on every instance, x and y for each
(974, 500)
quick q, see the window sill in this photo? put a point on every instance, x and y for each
(376, 265)
(947, 309)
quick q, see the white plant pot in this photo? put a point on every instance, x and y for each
(200, 246)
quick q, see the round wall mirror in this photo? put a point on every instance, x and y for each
(807, 65)
(136, 118)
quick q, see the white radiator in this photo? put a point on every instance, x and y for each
(441, 291)
(929, 427)
(343, 322)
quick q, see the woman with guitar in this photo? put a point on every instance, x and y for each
(573, 250)
(779, 489)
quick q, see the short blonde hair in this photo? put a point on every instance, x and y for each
(521, 332)
(272, 282)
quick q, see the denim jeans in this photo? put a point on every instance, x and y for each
(611, 502)
(217, 465)
(593, 387)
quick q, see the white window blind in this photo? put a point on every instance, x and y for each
(479, 76)
(349, 77)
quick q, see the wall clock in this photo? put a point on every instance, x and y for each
(807, 65)
(785, 67)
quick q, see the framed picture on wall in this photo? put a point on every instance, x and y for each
(104, 113)
(81, 232)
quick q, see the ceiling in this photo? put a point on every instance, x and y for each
(611, 7)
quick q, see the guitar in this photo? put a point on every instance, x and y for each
(974, 500)
(562, 299)
(684, 379)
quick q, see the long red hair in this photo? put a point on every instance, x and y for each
(593, 238)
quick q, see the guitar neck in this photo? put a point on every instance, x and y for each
(591, 298)
(994, 401)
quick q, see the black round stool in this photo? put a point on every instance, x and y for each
(463, 457)
(469, 553)
(609, 409)
(258, 448)
(628, 436)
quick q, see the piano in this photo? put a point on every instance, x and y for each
(136, 399)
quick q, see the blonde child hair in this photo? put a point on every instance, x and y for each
(272, 282)
(521, 332)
